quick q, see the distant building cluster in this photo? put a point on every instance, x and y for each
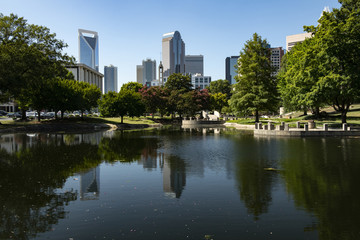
(174, 60)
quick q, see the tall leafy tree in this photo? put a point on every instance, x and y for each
(338, 42)
(325, 69)
(90, 94)
(256, 88)
(298, 77)
(108, 104)
(177, 84)
(29, 55)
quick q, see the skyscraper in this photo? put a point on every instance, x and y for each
(111, 79)
(230, 69)
(173, 53)
(89, 48)
(194, 64)
(139, 74)
(149, 71)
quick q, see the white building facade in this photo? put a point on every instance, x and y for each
(84, 73)
(294, 39)
(199, 81)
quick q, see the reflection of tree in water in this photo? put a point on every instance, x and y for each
(254, 185)
(324, 180)
(126, 146)
(253, 181)
(29, 201)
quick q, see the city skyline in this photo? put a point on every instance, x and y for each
(214, 32)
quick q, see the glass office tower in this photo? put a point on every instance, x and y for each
(230, 69)
(89, 48)
(194, 64)
(111, 78)
(173, 53)
(149, 71)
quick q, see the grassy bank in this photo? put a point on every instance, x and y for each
(328, 116)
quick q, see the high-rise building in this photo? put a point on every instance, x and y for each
(294, 39)
(194, 64)
(230, 68)
(111, 78)
(139, 74)
(149, 71)
(89, 48)
(173, 53)
(275, 57)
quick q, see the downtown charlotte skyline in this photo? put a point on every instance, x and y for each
(131, 31)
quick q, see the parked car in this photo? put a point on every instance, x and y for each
(49, 115)
(3, 113)
(14, 114)
(31, 114)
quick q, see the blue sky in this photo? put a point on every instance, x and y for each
(131, 30)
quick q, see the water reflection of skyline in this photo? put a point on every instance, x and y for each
(311, 172)
(90, 184)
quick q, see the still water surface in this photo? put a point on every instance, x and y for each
(178, 184)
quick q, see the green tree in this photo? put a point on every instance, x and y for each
(220, 86)
(338, 42)
(218, 101)
(298, 77)
(255, 89)
(29, 55)
(132, 104)
(177, 85)
(108, 104)
(132, 86)
(90, 94)
(177, 81)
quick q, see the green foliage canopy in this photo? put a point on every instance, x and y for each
(256, 88)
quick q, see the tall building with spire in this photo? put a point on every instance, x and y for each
(173, 53)
(89, 48)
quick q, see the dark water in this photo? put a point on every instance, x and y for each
(178, 184)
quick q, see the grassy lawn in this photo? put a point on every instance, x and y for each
(331, 117)
(127, 120)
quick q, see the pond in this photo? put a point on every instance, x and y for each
(175, 183)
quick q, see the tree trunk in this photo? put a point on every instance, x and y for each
(122, 117)
(38, 112)
(305, 111)
(343, 116)
(256, 116)
(153, 115)
(62, 114)
(82, 115)
(56, 117)
(23, 114)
